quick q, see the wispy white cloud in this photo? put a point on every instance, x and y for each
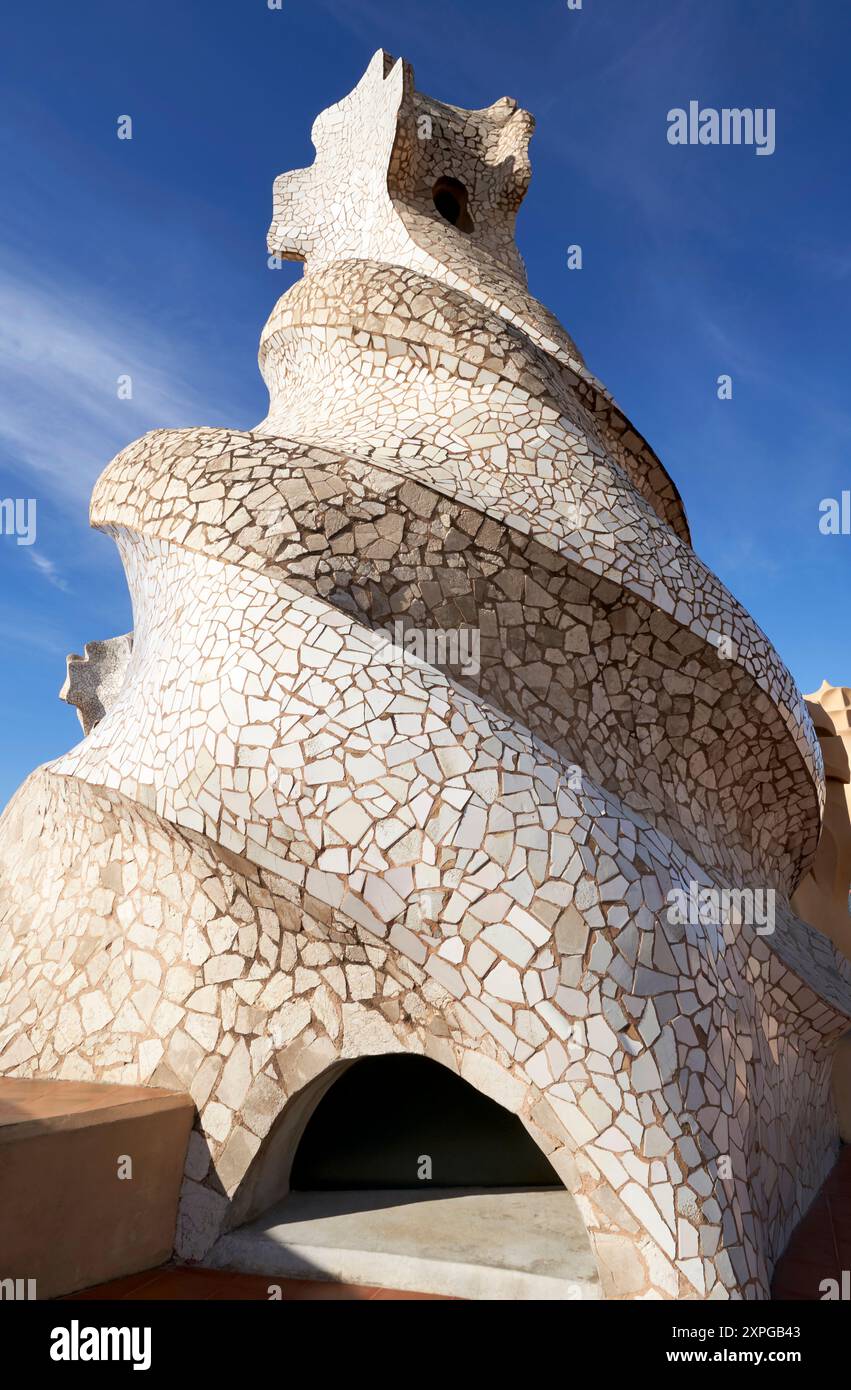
(62, 351)
(63, 348)
(46, 567)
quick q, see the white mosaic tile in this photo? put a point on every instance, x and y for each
(280, 846)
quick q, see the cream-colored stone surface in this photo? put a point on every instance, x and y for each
(288, 844)
(822, 897)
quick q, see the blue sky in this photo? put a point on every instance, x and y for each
(147, 257)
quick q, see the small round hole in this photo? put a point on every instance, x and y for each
(451, 200)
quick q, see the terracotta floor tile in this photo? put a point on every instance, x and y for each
(814, 1255)
(820, 1248)
(316, 1290)
(244, 1292)
(126, 1287)
(173, 1285)
(843, 1246)
(181, 1283)
(804, 1292)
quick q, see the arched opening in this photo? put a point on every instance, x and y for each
(397, 1122)
(452, 202)
(393, 1171)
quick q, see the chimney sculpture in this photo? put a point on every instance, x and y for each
(305, 830)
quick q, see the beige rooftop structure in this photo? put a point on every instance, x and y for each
(300, 832)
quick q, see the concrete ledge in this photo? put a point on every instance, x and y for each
(485, 1244)
(67, 1219)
